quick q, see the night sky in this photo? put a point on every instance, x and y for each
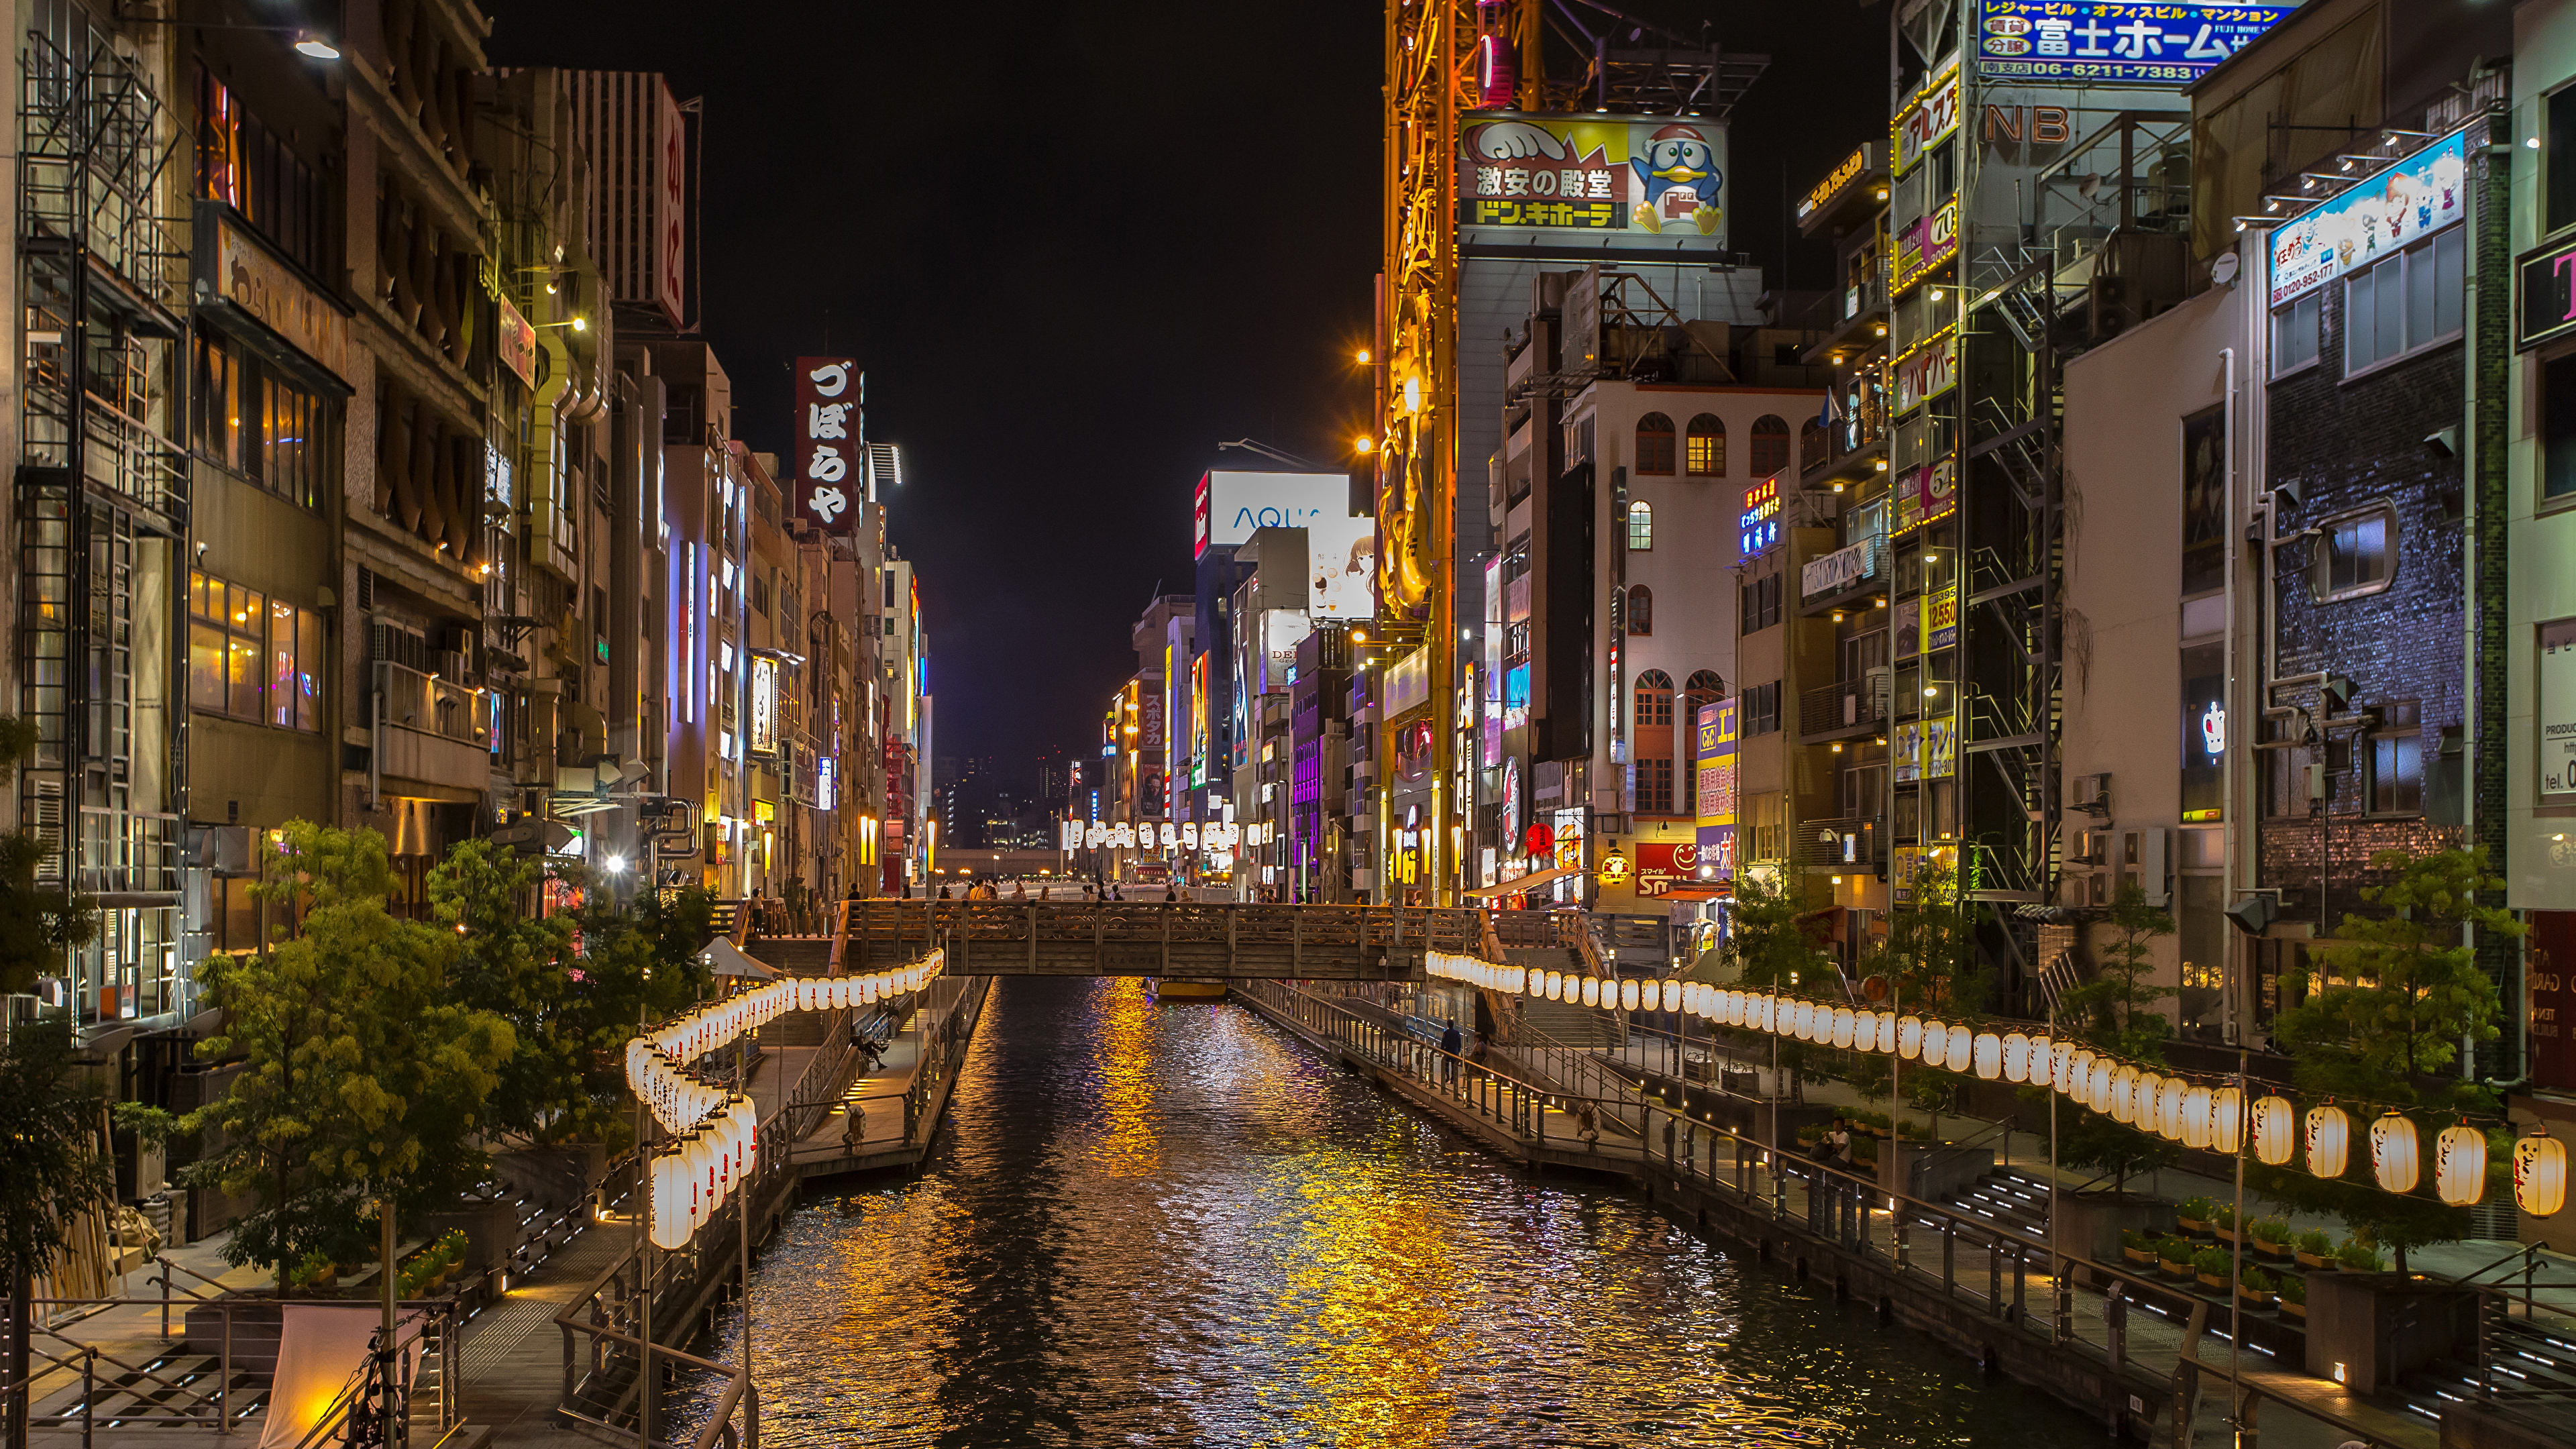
(1078, 245)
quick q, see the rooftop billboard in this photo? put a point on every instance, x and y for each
(1632, 182)
(1231, 505)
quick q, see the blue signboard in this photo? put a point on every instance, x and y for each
(2380, 214)
(2118, 42)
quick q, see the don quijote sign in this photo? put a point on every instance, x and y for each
(829, 489)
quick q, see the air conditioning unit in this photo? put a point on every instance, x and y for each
(2090, 794)
(2088, 848)
(2149, 855)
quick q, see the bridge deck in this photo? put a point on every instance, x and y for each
(1222, 942)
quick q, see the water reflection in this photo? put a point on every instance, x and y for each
(1172, 1225)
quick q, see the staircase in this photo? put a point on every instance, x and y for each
(1581, 1027)
(793, 955)
(2534, 1376)
(2015, 1202)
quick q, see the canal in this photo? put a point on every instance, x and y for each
(1174, 1224)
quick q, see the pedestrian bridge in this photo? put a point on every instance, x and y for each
(1221, 942)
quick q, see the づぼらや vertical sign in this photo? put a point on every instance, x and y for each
(826, 465)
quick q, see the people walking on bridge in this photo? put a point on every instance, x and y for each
(1019, 890)
(1171, 895)
(1451, 1044)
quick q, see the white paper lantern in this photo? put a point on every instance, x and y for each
(1988, 1054)
(2539, 1173)
(1963, 1047)
(1591, 991)
(1909, 1037)
(2329, 1137)
(2226, 1120)
(2276, 1129)
(1936, 1043)
(2195, 1118)
(1628, 994)
(2393, 1152)
(2460, 1165)
(1845, 1026)
(2016, 1057)
(2173, 1094)
(1672, 995)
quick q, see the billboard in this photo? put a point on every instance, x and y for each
(1342, 553)
(826, 487)
(1664, 864)
(2371, 218)
(1231, 505)
(1714, 751)
(2116, 42)
(1633, 181)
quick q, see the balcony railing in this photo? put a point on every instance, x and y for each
(1852, 704)
(434, 706)
(1853, 842)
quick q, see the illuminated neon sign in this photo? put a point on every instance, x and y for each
(1758, 527)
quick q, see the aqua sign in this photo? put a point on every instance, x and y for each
(2115, 41)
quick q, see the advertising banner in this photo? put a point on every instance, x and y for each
(1714, 752)
(2116, 42)
(1941, 617)
(1928, 122)
(1640, 179)
(764, 705)
(1342, 553)
(1926, 495)
(1757, 527)
(1928, 371)
(2550, 979)
(826, 452)
(515, 342)
(2557, 723)
(2372, 218)
(1846, 173)
(1231, 504)
(1837, 570)
(1664, 864)
(250, 278)
(1926, 244)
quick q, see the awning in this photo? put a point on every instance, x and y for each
(1697, 893)
(728, 960)
(1531, 881)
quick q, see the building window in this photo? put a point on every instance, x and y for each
(243, 164)
(2558, 428)
(261, 424)
(2407, 303)
(1641, 527)
(1759, 604)
(1770, 445)
(1655, 445)
(1641, 612)
(251, 657)
(1707, 447)
(2294, 333)
(2355, 555)
(2397, 760)
(1653, 731)
(1761, 709)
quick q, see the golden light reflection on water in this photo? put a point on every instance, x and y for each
(1130, 1139)
(1366, 1303)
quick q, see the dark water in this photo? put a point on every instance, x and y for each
(1155, 1224)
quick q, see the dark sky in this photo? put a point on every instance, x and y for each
(1076, 246)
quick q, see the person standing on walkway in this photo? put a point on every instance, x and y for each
(1451, 1044)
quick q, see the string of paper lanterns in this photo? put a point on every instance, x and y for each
(2198, 1114)
(714, 1133)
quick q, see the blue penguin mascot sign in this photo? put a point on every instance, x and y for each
(1652, 177)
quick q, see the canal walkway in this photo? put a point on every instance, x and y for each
(2155, 1362)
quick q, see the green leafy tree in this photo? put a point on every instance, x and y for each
(1772, 947)
(361, 1073)
(2116, 1012)
(38, 928)
(52, 1172)
(572, 986)
(1929, 957)
(2383, 1025)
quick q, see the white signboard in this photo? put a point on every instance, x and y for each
(1835, 570)
(2558, 711)
(1342, 554)
(1232, 505)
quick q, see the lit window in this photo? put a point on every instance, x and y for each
(1641, 527)
(1707, 447)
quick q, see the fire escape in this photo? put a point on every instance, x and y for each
(102, 506)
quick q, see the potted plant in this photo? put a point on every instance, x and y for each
(2137, 1247)
(2224, 1222)
(2192, 1215)
(2271, 1236)
(2294, 1296)
(2358, 1258)
(2314, 1249)
(2210, 1265)
(2173, 1258)
(2257, 1288)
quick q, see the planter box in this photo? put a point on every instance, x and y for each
(2139, 1256)
(2254, 1300)
(2322, 1265)
(2211, 1280)
(2298, 1311)
(2090, 1223)
(2275, 1251)
(2191, 1225)
(2382, 1326)
(2179, 1272)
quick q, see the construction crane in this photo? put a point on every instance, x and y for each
(1444, 60)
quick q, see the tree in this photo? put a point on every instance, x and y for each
(2383, 1027)
(1929, 959)
(571, 986)
(1773, 949)
(361, 1074)
(2115, 1013)
(52, 1172)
